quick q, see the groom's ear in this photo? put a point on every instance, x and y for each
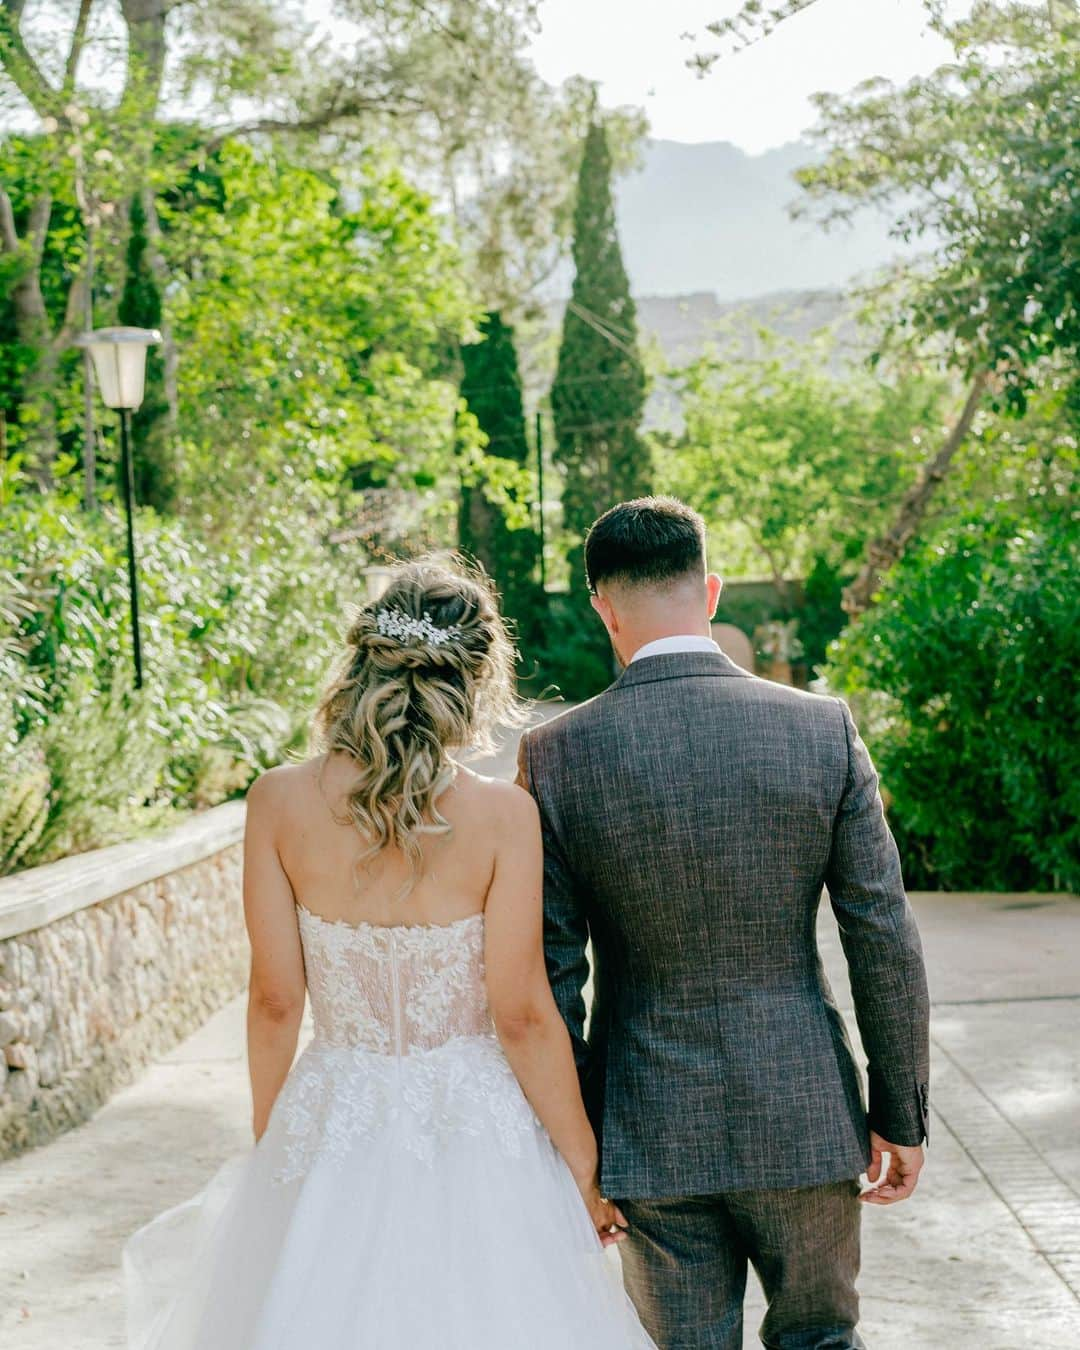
(602, 605)
(713, 586)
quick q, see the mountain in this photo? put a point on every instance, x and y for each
(682, 324)
(710, 217)
(712, 252)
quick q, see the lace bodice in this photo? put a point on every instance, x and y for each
(395, 990)
(404, 1043)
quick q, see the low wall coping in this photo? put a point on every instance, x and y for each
(40, 895)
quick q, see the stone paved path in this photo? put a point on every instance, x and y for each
(985, 1257)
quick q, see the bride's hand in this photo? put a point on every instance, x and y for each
(607, 1218)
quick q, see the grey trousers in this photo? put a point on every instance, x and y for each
(685, 1264)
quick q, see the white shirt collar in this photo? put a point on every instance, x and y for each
(682, 642)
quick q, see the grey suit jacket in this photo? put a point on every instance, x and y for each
(691, 816)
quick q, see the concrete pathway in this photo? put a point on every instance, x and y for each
(986, 1256)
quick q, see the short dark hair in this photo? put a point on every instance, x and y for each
(648, 541)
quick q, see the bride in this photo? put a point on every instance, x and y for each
(425, 1175)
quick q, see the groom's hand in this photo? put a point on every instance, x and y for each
(902, 1177)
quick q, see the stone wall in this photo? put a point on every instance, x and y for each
(106, 961)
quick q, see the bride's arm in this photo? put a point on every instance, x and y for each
(530, 1027)
(276, 989)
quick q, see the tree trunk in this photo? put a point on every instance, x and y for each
(145, 22)
(34, 331)
(779, 581)
(31, 317)
(885, 551)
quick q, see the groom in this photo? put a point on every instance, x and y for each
(692, 814)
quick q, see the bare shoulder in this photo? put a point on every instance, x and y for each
(503, 804)
(274, 788)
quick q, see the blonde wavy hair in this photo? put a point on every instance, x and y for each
(427, 668)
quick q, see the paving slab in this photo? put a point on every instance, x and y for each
(986, 1256)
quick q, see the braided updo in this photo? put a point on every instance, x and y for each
(427, 668)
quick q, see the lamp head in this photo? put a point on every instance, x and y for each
(119, 356)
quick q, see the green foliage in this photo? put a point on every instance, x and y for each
(140, 306)
(794, 458)
(311, 332)
(236, 644)
(40, 389)
(573, 654)
(106, 759)
(599, 391)
(446, 85)
(981, 161)
(24, 801)
(965, 678)
(821, 616)
(25, 810)
(509, 550)
(597, 401)
(753, 21)
(313, 303)
(750, 605)
(306, 410)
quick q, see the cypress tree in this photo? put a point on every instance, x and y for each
(491, 385)
(598, 395)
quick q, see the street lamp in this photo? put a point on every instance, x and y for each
(119, 356)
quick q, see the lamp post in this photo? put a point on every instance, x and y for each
(119, 356)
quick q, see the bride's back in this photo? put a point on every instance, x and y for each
(323, 852)
(383, 827)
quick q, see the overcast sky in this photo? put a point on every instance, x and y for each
(758, 98)
(636, 51)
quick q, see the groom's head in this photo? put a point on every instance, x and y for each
(645, 565)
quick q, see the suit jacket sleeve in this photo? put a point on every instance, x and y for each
(884, 954)
(566, 928)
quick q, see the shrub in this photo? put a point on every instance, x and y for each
(573, 655)
(975, 723)
(235, 645)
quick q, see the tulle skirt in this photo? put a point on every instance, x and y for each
(465, 1244)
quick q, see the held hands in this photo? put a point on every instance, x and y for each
(607, 1218)
(902, 1176)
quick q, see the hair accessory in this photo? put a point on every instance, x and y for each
(397, 624)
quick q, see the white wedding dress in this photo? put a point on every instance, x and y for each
(404, 1195)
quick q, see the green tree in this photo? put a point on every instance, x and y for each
(963, 673)
(753, 21)
(91, 153)
(491, 386)
(598, 394)
(317, 338)
(795, 458)
(445, 82)
(980, 161)
(756, 19)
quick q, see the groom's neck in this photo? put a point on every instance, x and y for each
(635, 634)
(643, 614)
